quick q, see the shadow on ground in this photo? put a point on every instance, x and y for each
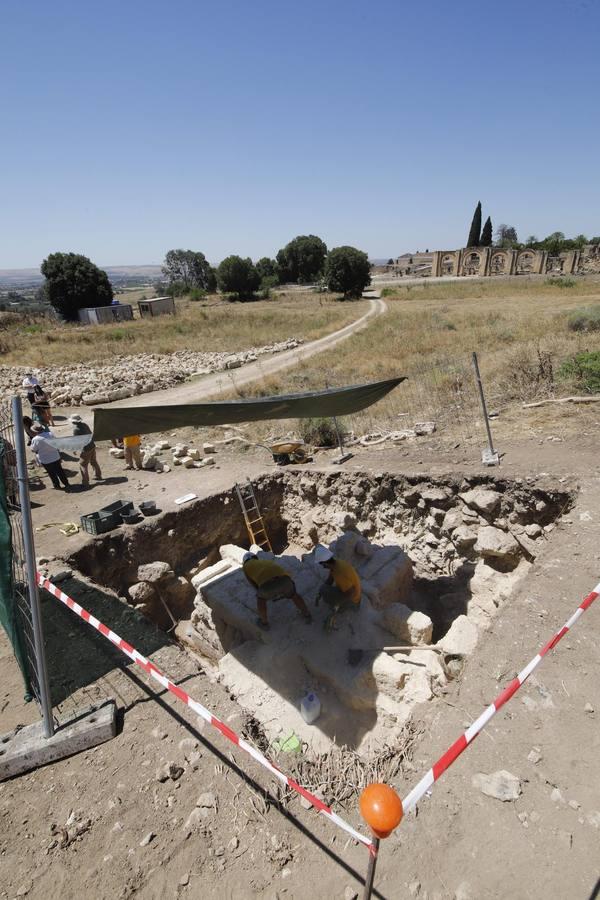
(77, 654)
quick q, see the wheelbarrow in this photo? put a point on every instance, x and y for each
(286, 452)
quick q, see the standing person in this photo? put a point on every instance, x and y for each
(49, 457)
(272, 582)
(87, 456)
(28, 428)
(133, 453)
(38, 400)
(342, 590)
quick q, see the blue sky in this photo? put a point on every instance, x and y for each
(129, 128)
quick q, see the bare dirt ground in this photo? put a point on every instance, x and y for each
(460, 844)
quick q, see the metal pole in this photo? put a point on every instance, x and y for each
(34, 597)
(483, 405)
(371, 870)
(339, 436)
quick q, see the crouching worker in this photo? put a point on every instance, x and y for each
(342, 589)
(271, 583)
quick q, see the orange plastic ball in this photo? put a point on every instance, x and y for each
(381, 808)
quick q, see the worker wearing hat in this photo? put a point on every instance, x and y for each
(342, 589)
(87, 455)
(272, 582)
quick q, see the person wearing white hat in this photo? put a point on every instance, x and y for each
(49, 457)
(272, 582)
(87, 455)
(342, 590)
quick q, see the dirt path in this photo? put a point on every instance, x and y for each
(202, 388)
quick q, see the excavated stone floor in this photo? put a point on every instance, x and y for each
(437, 560)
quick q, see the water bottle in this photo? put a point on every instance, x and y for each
(310, 707)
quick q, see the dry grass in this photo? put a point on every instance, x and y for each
(212, 325)
(518, 328)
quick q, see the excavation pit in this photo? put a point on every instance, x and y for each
(437, 558)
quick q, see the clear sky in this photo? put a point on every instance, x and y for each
(132, 127)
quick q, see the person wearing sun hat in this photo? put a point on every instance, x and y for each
(342, 589)
(48, 457)
(87, 455)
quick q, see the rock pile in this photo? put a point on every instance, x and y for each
(89, 384)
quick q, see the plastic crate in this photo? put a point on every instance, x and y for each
(94, 523)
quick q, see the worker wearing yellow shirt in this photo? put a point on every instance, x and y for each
(342, 590)
(133, 453)
(272, 582)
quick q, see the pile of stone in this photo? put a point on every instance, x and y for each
(181, 455)
(86, 384)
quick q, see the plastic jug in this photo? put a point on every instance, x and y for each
(310, 707)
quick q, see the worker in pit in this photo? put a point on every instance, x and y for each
(342, 589)
(272, 582)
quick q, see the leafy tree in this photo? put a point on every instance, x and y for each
(554, 243)
(73, 282)
(475, 230)
(187, 269)
(238, 276)
(486, 234)
(302, 260)
(390, 261)
(532, 241)
(506, 236)
(266, 268)
(348, 270)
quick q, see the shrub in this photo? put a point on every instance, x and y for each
(585, 319)
(584, 370)
(561, 282)
(320, 432)
(197, 294)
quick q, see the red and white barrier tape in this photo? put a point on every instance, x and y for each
(453, 752)
(155, 673)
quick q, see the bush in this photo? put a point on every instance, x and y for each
(320, 432)
(73, 282)
(561, 282)
(197, 294)
(584, 370)
(585, 319)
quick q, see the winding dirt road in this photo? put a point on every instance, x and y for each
(200, 389)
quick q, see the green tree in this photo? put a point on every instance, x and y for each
(554, 243)
(486, 234)
(532, 241)
(348, 270)
(506, 236)
(238, 276)
(475, 230)
(302, 260)
(73, 282)
(185, 270)
(266, 267)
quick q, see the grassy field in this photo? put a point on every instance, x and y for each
(211, 325)
(518, 328)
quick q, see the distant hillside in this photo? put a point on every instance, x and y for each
(22, 278)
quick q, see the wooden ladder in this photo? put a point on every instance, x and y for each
(252, 516)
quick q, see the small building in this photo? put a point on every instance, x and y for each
(106, 315)
(157, 306)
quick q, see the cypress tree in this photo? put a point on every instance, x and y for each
(486, 234)
(475, 232)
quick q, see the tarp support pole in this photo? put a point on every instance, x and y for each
(34, 597)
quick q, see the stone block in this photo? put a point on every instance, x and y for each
(187, 462)
(495, 544)
(209, 448)
(482, 499)
(408, 625)
(232, 552)
(461, 639)
(142, 592)
(211, 572)
(154, 571)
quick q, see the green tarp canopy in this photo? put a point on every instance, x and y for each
(122, 421)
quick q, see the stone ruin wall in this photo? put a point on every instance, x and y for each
(488, 261)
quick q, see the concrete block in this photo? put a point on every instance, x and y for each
(27, 749)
